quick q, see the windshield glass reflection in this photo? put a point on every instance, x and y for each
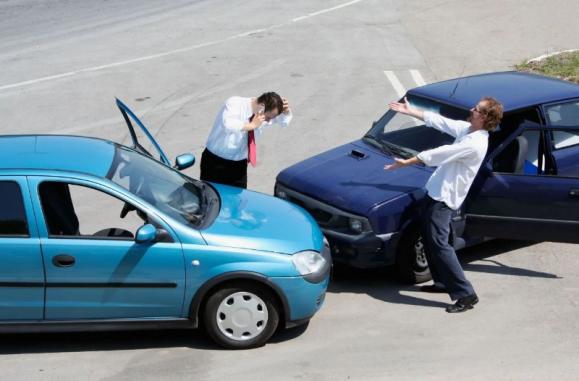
(168, 190)
(405, 136)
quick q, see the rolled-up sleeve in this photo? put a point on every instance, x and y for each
(284, 119)
(449, 126)
(447, 153)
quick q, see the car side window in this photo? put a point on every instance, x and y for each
(13, 221)
(523, 155)
(563, 115)
(563, 133)
(565, 152)
(72, 210)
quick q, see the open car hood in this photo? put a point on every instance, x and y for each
(129, 115)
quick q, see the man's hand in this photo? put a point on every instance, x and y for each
(286, 107)
(398, 163)
(404, 108)
(257, 121)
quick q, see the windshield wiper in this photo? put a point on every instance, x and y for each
(400, 151)
(377, 143)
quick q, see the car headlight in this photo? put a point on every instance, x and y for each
(309, 262)
(356, 225)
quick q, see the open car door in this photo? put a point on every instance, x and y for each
(538, 202)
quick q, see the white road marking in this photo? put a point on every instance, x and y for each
(417, 77)
(400, 90)
(172, 52)
(325, 11)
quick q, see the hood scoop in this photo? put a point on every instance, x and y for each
(358, 155)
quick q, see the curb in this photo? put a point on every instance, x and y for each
(540, 58)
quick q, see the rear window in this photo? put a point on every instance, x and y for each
(12, 214)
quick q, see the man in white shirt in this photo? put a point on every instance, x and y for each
(457, 165)
(231, 143)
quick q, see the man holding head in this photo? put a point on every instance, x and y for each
(231, 143)
(457, 165)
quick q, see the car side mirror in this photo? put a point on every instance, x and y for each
(184, 161)
(146, 234)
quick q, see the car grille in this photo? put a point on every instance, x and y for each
(322, 213)
(327, 216)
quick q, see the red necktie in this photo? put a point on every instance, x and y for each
(251, 147)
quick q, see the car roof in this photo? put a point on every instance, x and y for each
(515, 90)
(54, 152)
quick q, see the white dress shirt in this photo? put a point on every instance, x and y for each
(457, 163)
(227, 139)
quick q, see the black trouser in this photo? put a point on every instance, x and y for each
(444, 265)
(223, 171)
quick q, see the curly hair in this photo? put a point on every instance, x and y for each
(492, 112)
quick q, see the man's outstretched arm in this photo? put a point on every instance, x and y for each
(399, 163)
(405, 108)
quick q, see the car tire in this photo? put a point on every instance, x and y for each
(411, 264)
(241, 316)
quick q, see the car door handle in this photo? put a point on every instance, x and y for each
(63, 260)
(574, 193)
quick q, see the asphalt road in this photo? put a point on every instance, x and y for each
(338, 62)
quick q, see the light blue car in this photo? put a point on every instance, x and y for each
(95, 235)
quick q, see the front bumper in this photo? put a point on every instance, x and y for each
(303, 298)
(366, 250)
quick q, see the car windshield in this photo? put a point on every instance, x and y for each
(168, 190)
(405, 136)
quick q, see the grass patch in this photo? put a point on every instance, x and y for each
(564, 66)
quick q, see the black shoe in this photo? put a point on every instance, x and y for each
(463, 304)
(433, 289)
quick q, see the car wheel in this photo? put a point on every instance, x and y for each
(411, 264)
(241, 316)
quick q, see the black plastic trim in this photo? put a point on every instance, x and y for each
(21, 284)
(110, 285)
(37, 326)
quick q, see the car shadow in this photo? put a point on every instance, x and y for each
(382, 284)
(121, 340)
(379, 284)
(104, 341)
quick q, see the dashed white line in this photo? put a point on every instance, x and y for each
(172, 52)
(400, 90)
(417, 77)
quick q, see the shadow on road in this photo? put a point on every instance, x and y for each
(121, 340)
(104, 341)
(382, 284)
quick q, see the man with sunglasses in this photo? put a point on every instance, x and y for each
(457, 165)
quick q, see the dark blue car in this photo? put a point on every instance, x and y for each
(527, 188)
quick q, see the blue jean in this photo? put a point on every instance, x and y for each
(442, 260)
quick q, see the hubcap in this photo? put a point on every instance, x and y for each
(242, 316)
(421, 261)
